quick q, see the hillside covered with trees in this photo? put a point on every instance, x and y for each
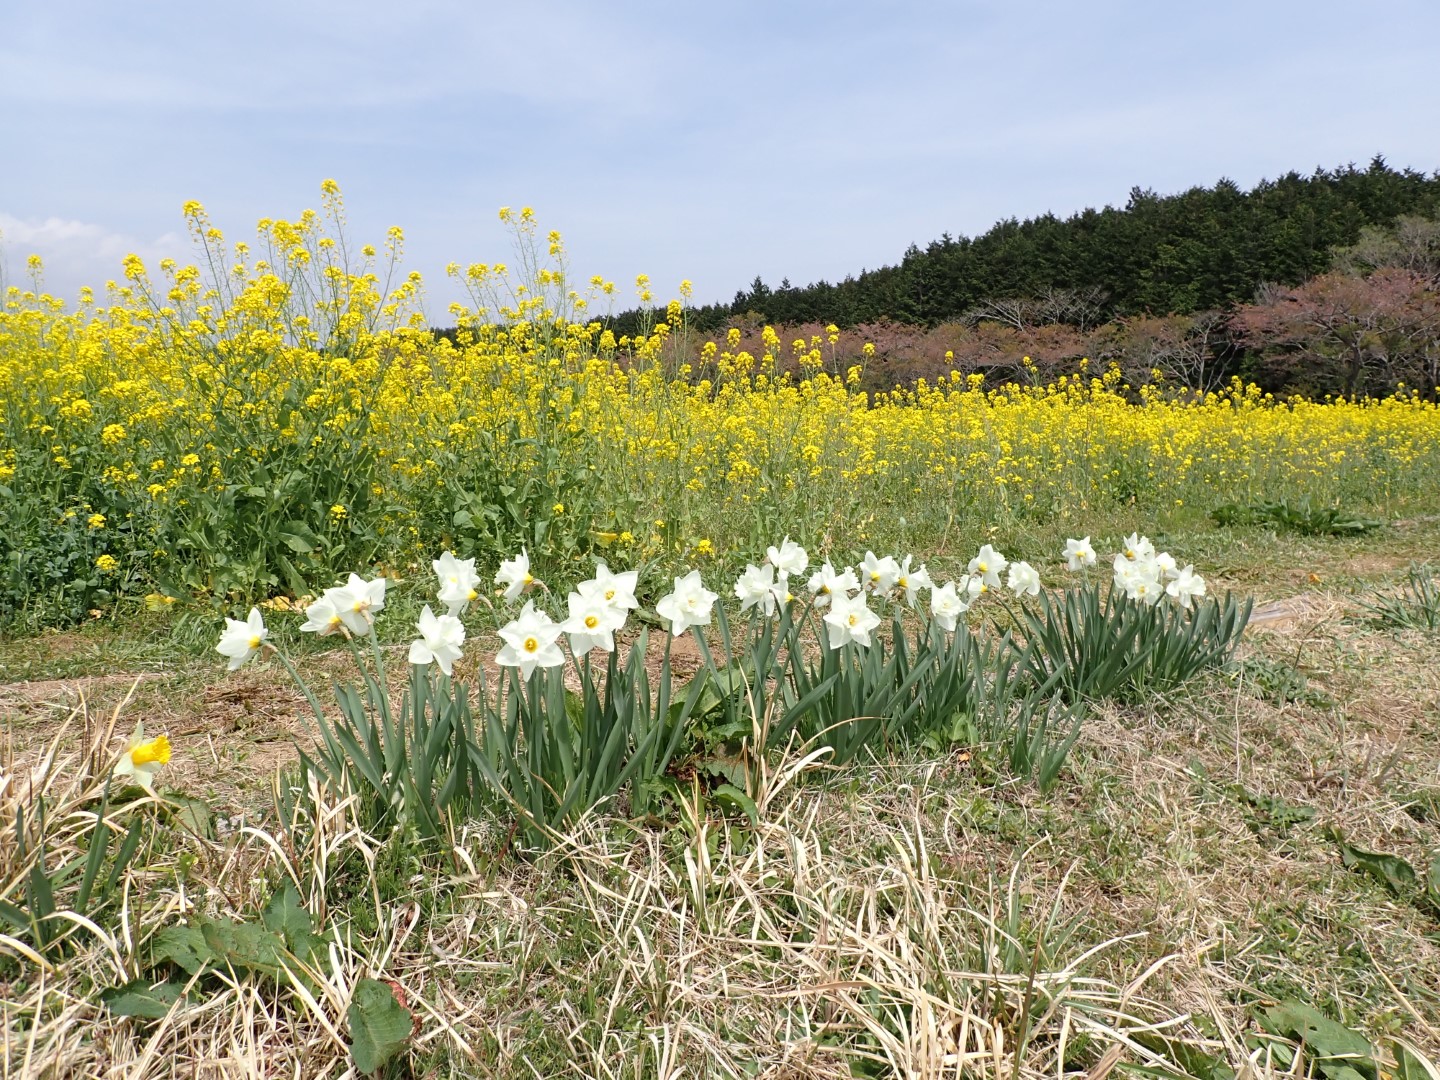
(1202, 249)
(1319, 284)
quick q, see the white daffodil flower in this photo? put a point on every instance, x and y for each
(617, 590)
(592, 623)
(515, 575)
(242, 640)
(879, 575)
(1138, 548)
(987, 566)
(912, 581)
(753, 589)
(1146, 589)
(689, 605)
(459, 584)
(1165, 563)
(530, 642)
(1079, 554)
(143, 757)
(825, 583)
(849, 619)
(1186, 586)
(780, 593)
(1138, 580)
(440, 640)
(1125, 569)
(1024, 579)
(788, 558)
(357, 601)
(946, 606)
(322, 618)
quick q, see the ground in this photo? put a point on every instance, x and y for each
(1185, 876)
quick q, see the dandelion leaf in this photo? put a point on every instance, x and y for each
(1393, 872)
(732, 798)
(139, 997)
(246, 947)
(193, 814)
(185, 947)
(1339, 1053)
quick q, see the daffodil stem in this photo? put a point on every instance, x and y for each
(304, 686)
(379, 658)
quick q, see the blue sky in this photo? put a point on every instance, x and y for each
(702, 141)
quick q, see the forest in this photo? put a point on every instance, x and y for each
(1314, 284)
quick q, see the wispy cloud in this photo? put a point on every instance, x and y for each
(76, 253)
(804, 139)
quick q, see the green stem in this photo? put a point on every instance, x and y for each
(304, 686)
(382, 685)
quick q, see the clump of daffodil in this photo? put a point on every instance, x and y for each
(143, 758)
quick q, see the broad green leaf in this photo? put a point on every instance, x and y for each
(286, 916)
(193, 814)
(298, 537)
(293, 578)
(379, 1025)
(1189, 1060)
(1393, 872)
(730, 796)
(185, 947)
(1340, 1053)
(245, 946)
(139, 997)
(1410, 1064)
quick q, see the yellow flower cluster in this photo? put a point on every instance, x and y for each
(174, 389)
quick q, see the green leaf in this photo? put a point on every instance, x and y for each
(298, 537)
(293, 578)
(1341, 1054)
(193, 814)
(730, 796)
(286, 916)
(15, 916)
(1410, 1064)
(245, 946)
(139, 997)
(185, 947)
(1393, 872)
(379, 1025)
(1191, 1060)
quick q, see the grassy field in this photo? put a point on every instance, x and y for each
(1181, 889)
(1066, 835)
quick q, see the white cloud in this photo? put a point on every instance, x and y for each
(807, 139)
(76, 253)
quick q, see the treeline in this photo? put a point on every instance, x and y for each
(1206, 249)
(1368, 324)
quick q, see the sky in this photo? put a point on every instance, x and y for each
(709, 142)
